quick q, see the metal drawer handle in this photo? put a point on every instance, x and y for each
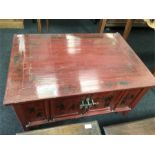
(87, 103)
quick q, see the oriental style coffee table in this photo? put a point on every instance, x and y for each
(55, 77)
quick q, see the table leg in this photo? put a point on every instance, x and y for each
(128, 27)
(47, 24)
(39, 25)
(102, 25)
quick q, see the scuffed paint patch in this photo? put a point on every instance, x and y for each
(16, 59)
(68, 89)
(124, 83)
(110, 84)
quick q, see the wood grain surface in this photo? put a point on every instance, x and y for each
(88, 128)
(12, 23)
(57, 65)
(141, 127)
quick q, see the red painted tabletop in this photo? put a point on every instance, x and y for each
(57, 65)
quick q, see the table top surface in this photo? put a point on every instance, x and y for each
(46, 66)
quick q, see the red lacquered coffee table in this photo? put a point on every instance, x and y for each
(55, 77)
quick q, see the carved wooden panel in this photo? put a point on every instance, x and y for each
(33, 111)
(128, 97)
(104, 100)
(65, 107)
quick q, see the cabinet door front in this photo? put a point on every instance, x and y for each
(99, 102)
(64, 107)
(129, 97)
(33, 113)
(36, 111)
(105, 100)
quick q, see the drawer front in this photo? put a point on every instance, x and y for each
(35, 111)
(105, 100)
(40, 112)
(129, 97)
(64, 107)
(32, 112)
(78, 105)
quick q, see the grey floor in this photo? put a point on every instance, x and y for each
(142, 40)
